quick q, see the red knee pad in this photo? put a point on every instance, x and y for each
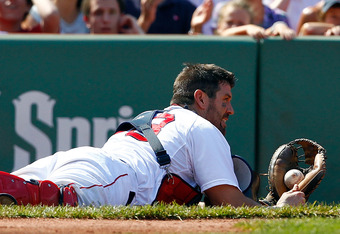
(69, 196)
(29, 192)
(35, 192)
(24, 192)
(49, 193)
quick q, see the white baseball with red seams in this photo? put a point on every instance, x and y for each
(293, 176)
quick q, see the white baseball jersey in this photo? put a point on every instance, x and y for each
(199, 154)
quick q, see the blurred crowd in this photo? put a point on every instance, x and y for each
(256, 18)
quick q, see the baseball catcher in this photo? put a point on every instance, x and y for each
(165, 156)
(301, 161)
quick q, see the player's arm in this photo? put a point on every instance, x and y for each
(227, 194)
(50, 19)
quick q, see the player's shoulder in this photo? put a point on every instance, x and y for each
(181, 113)
(187, 118)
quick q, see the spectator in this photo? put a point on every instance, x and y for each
(235, 18)
(71, 17)
(206, 28)
(329, 21)
(162, 16)
(238, 18)
(293, 9)
(107, 17)
(13, 12)
(264, 16)
(310, 14)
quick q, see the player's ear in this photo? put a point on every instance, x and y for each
(201, 99)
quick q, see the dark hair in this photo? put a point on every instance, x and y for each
(85, 6)
(205, 77)
(29, 2)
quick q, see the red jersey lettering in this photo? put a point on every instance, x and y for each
(158, 122)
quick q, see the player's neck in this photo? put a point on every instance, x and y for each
(185, 106)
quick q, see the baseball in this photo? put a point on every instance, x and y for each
(293, 176)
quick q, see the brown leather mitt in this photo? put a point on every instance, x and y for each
(302, 154)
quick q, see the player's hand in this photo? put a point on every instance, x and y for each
(293, 197)
(128, 25)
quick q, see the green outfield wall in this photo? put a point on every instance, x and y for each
(299, 96)
(60, 92)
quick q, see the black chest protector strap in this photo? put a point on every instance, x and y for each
(142, 123)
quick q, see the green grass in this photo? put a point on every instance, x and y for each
(301, 225)
(310, 218)
(168, 212)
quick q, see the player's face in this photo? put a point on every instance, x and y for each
(104, 16)
(220, 108)
(13, 10)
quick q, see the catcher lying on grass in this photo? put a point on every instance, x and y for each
(176, 154)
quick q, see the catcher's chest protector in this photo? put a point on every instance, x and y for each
(174, 189)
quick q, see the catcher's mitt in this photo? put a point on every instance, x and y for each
(286, 158)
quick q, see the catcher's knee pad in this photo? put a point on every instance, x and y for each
(68, 196)
(49, 193)
(23, 192)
